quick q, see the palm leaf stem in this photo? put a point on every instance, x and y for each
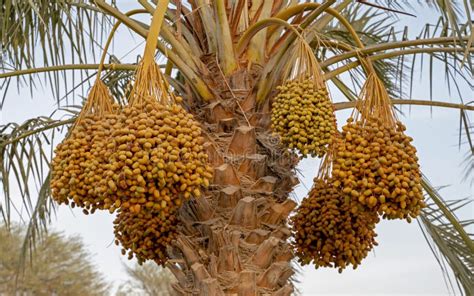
(352, 104)
(293, 10)
(225, 48)
(342, 69)
(181, 47)
(391, 45)
(258, 26)
(38, 130)
(132, 67)
(111, 36)
(147, 6)
(119, 67)
(268, 71)
(193, 78)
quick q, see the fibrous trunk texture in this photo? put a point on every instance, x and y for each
(233, 240)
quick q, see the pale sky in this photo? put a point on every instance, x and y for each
(402, 264)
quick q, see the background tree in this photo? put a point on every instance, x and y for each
(147, 279)
(59, 266)
(225, 58)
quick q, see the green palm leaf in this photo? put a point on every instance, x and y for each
(47, 25)
(41, 33)
(25, 152)
(448, 239)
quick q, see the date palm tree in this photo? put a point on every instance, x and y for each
(147, 279)
(226, 57)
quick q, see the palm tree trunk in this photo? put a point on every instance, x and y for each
(234, 240)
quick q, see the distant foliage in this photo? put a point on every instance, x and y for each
(59, 266)
(147, 279)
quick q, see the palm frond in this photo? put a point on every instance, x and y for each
(466, 129)
(454, 74)
(451, 11)
(47, 25)
(372, 28)
(398, 72)
(48, 33)
(25, 152)
(448, 240)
